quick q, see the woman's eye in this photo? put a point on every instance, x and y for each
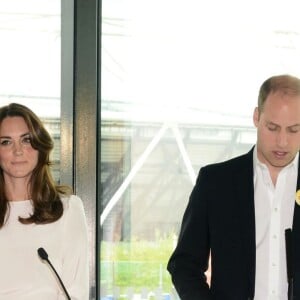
(26, 140)
(5, 142)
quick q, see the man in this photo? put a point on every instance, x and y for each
(239, 210)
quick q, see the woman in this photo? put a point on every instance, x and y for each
(35, 212)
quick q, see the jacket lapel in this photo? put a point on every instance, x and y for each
(245, 189)
(296, 242)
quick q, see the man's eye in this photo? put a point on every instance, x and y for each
(292, 130)
(272, 128)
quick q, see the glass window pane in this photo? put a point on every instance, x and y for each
(179, 86)
(30, 56)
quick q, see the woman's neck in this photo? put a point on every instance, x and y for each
(17, 190)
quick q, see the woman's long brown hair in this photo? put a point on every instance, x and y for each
(45, 193)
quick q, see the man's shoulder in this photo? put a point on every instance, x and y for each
(239, 162)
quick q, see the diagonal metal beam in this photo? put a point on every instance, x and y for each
(116, 197)
(184, 154)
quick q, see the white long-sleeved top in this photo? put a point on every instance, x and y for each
(23, 275)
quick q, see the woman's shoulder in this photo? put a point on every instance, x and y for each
(72, 203)
(74, 218)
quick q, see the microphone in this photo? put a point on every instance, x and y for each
(44, 256)
(289, 263)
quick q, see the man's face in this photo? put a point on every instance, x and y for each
(278, 130)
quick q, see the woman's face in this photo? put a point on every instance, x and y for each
(17, 157)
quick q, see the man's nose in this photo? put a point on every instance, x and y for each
(282, 139)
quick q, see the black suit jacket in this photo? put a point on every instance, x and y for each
(220, 220)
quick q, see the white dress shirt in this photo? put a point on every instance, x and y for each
(274, 207)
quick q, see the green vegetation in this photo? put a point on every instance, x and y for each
(136, 264)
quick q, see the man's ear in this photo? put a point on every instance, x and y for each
(256, 116)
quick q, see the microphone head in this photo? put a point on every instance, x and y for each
(42, 253)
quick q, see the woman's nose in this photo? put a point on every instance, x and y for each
(18, 148)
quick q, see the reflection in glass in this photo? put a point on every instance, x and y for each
(30, 56)
(179, 85)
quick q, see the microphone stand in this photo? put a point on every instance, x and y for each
(44, 256)
(289, 263)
